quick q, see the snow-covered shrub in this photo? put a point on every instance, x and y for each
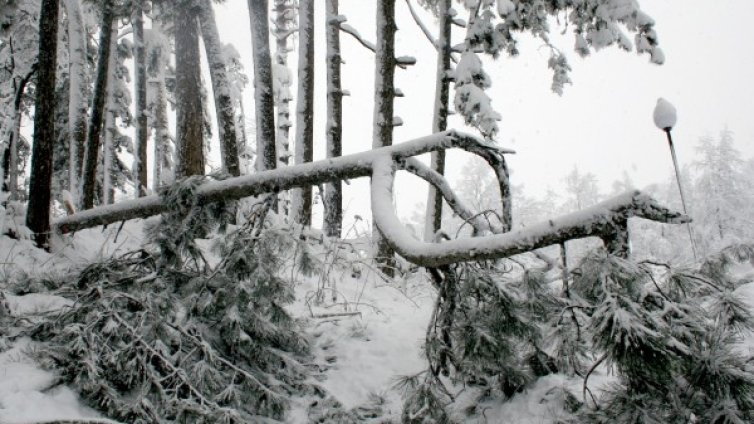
(672, 340)
(164, 335)
(485, 333)
(670, 337)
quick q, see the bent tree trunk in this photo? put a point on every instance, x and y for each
(301, 199)
(89, 177)
(384, 94)
(38, 213)
(333, 201)
(189, 113)
(224, 108)
(607, 220)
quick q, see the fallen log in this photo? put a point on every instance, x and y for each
(607, 220)
(308, 174)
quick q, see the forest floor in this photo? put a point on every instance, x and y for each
(360, 355)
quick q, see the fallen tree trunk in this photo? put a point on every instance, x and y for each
(270, 181)
(607, 220)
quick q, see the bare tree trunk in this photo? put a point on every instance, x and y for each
(159, 50)
(10, 159)
(140, 90)
(77, 107)
(189, 112)
(89, 177)
(107, 147)
(162, 152)
(333, 202)
(301, 198)
(384, 94)
(433, 221)
(265, 113)
(38, 212)
(224, 109)
(285, 26)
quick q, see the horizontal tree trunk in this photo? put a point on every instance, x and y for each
(313, 173)
(607, 220)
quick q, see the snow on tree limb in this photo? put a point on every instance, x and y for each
(606, 220)
(313, 173)
(438, 181)
(602, 220)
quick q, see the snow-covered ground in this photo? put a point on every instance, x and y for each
(359, 355)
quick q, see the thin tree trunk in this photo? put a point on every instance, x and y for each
(189, 112)
(433, 221)
(333, 202)
(224, 109)
(10, 172)
(284, 28)
(38, 212)
(301, 198)
(13, 156)
(140, 91)
(241, 135)
(163, 155)
(107, 147)
(77, 107)
(263, 99)
(384, 94)
(89, 177)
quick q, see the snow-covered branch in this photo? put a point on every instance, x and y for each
(308, 174)
(433, 177)
(432, 40)
(607, 220)
(348, 29)
(401, 62)
(603, 220)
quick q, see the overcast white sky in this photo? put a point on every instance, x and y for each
(602, 123)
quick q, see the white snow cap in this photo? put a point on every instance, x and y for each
(665, 115)
(505, 7)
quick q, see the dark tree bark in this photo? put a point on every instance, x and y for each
(189, 113)
(440, 117)
(333, 223)
(224, 109)
(301, 201)
(384, 94)
(265, 112)
(140, 82)
(89, 176)
(38, 212)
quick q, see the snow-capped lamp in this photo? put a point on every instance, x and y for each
(665, 115)
(665, 118)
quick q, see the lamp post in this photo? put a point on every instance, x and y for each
(665, 118)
